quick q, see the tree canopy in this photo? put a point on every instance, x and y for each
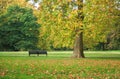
(19, 29)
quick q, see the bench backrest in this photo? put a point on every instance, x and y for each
(37, 52)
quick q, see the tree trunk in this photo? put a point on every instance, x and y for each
(78, 43)
(78, 46)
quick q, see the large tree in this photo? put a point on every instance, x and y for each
(19, 29)
(78, 45)
(65, 21)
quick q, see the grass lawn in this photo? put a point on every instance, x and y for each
(60, 65)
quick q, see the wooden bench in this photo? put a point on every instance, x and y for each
(37, 52)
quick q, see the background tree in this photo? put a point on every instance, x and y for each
(99, 21)
(18, 29)
(114, 35)
(5, 3)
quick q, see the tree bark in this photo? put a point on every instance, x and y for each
(78, 46)
(78, 43)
